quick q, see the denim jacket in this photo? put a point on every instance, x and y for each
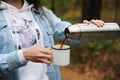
(51, 27)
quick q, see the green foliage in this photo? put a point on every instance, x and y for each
(117, 70)
(47, 3)
(62, 6)
(91, 50)
(115, 46)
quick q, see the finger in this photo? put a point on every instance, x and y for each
(44, 50)
(86, 21)
(50, 59)
(45, 56)
(95, 22)
(100, 22)
(44, 60)
(47, 51)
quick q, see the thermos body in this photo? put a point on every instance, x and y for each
(90, 32)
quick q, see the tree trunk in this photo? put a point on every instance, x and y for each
(53, 5)
(77, 2)
(91, 9)
(117, 11)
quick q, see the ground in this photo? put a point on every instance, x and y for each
(68, 74)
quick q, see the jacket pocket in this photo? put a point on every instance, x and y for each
(49, 40)
(2, 25)
(49, 31)
(5, 35)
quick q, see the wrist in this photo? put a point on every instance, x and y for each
(26, 54)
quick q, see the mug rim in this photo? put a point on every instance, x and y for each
(68, 47)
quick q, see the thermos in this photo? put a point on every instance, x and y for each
(90, 32)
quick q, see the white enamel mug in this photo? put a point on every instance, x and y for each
(61, 57)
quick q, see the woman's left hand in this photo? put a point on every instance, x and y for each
(97, 22)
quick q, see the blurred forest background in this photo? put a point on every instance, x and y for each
(93, 60)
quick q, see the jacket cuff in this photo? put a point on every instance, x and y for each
(14, 60)
(21, 57)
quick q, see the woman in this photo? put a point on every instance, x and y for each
(26, 34)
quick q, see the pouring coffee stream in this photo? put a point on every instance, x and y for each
(90, 32)
(64, 40)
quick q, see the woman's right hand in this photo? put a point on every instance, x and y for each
(38, 54)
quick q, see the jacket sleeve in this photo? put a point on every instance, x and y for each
(58, 26)
(9, 62)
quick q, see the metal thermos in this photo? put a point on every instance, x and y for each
(90, 32)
